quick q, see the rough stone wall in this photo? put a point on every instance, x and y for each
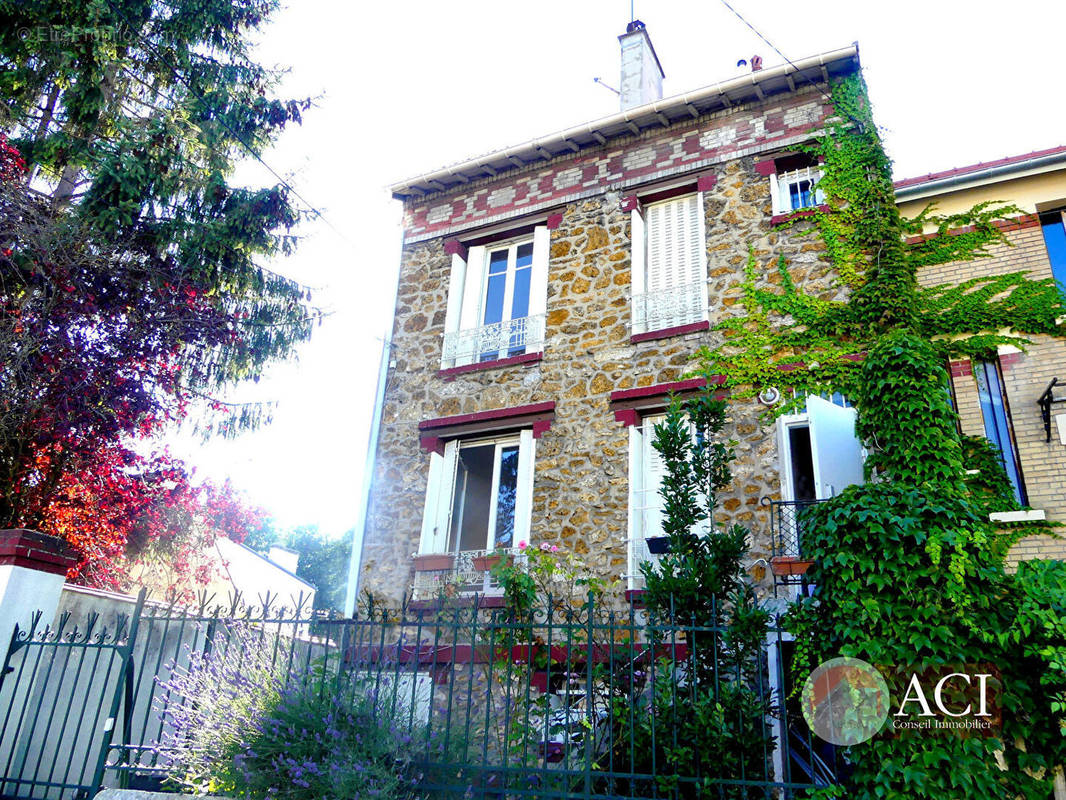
(580, 493)
(1025, 377)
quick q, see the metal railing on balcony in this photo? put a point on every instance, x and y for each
(789, 526)
(464, 572)
(492, 342)
(668, 308)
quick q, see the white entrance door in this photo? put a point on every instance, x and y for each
(835, 449)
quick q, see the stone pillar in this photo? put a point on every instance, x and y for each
(33, 569)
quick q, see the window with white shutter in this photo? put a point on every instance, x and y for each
(669, 264)
(496, 301)
(646, 471)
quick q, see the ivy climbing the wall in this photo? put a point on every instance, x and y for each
(909, 571)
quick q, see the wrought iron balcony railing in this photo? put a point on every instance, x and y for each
(668, 308)
(492, 342)
(462, 571)
(789, 525)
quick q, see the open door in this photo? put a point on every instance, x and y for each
(835, 449)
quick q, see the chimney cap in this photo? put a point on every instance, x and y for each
(635, 25)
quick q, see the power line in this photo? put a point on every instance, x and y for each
(788, 60)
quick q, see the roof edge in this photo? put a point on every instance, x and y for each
(535, 147)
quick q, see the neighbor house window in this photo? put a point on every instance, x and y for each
(794, 184)
(998, 426)
(479, 495)
(1053, 223)
(669, 264)
(496, 300)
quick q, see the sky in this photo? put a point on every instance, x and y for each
(407, 86)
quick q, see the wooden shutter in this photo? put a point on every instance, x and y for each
(675, 243)
(538, 288)
(436, 514)
(523, 506)
(473, 288)
(638, 266)
(470, 313)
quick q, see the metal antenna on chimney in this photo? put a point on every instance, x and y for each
(605, 85)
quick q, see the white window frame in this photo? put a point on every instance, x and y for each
(780, 189)
(640, 452)
(464, 327)
(440, 491)
(641, 267)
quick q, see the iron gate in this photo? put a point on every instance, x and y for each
(62, 689)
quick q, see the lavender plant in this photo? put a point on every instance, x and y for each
(243, 725)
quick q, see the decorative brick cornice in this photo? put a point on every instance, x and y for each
(37, 551)
(453, 247)
(433, 433)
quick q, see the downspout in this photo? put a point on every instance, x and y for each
(355, 563)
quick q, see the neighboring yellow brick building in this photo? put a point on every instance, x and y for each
(1000, 399)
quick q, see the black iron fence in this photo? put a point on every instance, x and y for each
(583, 702)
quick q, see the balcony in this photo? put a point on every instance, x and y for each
(456, 574)
(788, 527)
(494, 342)
(670, 308)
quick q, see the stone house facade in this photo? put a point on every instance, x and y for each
(551, 296)
(1000, 399)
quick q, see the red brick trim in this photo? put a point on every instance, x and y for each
(538, 416)
(777, 219)
(453, 247)
(663, 389)
(960, 369)
(1021, 222)
(554, 221)
(704, 183)
(766, 168)
(665, 333)
(1008, 360)
(36, 551)
(481, 366)
(629, 405)
(650, 194)
(630, 203)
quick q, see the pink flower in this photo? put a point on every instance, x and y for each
(555, 548)
(545, 546)
(522, 545)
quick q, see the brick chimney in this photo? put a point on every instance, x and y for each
(642, 75)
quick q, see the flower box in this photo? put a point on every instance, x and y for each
(790, 565)
(434, 562)
(486, 563)
(657, 545)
